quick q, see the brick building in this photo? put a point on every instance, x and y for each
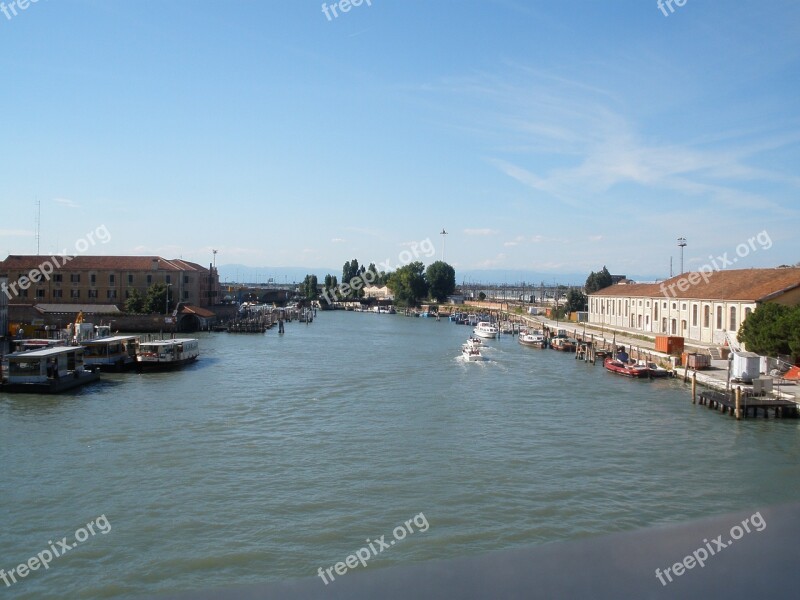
(58, 279)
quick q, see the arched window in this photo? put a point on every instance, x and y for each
(706, 316)
(733, 319)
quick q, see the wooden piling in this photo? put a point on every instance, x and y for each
(738, 402)
(694, 387)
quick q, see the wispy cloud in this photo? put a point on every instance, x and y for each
(66, 202)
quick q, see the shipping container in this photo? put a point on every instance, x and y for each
(669, 344)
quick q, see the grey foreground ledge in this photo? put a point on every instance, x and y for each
(760, 564)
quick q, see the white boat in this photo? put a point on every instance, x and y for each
(166, 354)
(46, 371)
(533, 339)
(112, 353)
(486, 330)
(471, 353)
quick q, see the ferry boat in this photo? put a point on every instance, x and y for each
(167, 354)
(112, 353)
(533, 339)
(486, 330)
(46, 371)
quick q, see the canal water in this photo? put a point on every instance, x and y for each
(275, 455)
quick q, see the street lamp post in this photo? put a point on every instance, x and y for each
(166, 300)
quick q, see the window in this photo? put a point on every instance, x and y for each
(683, 306)
(92, 293)
(747, 312)
(169, 279)
(112, 279)
(57, 278)
(149, 279)
(23, 293)
(40, 294)
(706, 316)
(75, 277)
(130, 278)
(719, 317)
(93, 278)
(655, 310)
(185, 279)
(111, 294)
(674, 306)
(733, 319)
(185, 295)
(694, 315)
(665, 305)
(58, 293)
(74, 293)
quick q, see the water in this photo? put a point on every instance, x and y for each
(276, 455)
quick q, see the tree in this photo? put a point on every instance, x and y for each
(481, 296)
(135, 302)
(576, 300)
(350, 270)
(309, 287)
(408, 284)
(771, 330)
(441, 280)
(156, 299)
(598, 281)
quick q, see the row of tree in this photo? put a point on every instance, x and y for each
(410, 283)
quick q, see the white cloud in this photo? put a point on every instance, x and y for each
(66, 202)
(481, 232)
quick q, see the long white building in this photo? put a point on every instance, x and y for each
(699, 306)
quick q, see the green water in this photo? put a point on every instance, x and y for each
(276, 455)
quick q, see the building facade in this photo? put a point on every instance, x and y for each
(104, 279)
(701, 307)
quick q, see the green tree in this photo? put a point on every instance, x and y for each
(598, 281)
(771, 330)
(309, 287)
(441, 280)
(576, 300)
(408, 284)
(156, 299)
(135, 302)
(481, 296)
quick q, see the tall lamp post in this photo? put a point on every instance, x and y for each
(166, 299)
(682, 245)
(444, 233)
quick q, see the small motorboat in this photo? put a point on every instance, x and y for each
(471, 353)
(657, 370)
(533, 339)
(625, 368)
(486, 330)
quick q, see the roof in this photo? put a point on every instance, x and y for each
(754, 285)
(46, 352)
(21, 263)
(97, 309)
(190, 309)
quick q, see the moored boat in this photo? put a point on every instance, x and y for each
(486, 330)
(623, 367)
(46, 371)
(167, 354)
(112, 353)
(533, 339)
(564, 344)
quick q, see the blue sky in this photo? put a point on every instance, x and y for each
(543, 136)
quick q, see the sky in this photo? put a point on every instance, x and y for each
(553, 137)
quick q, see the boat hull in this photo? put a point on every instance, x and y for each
(51, 386)
(618, 368)
(164, 365)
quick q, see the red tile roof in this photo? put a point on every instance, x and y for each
(752, 285)
(22, 263)
(191, 309)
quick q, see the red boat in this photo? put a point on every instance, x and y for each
(623, 368)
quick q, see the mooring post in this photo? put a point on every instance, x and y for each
(694, 387)
(738, 402)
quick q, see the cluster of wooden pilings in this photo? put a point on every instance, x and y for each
(741, 405)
